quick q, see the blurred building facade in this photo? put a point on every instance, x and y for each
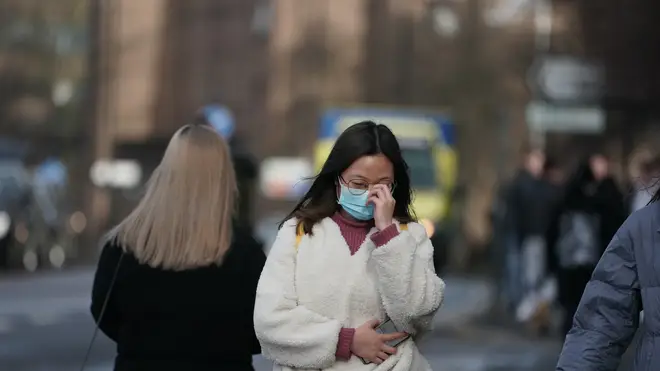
(166, 58)
(277, 64)
(159, 62)
(43, 67)
(43, 85)
(630, 55)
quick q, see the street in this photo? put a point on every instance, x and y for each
(45, 326)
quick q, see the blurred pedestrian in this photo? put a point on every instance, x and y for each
(528, 209)
(591, 211)
(348, 257)
(553, 177)
(536, 309)
(179, 280)
(624, 282)
(555, 182)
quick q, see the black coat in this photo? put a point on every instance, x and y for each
(529, 206)
(193, 320)
(584, 194)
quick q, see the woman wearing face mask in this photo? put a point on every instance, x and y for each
(347, 258)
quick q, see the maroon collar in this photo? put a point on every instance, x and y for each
(341, 219)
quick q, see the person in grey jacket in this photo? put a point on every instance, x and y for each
(626, 279)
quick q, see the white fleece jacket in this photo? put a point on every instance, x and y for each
(306, 296)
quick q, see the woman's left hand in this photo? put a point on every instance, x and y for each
(381, 197)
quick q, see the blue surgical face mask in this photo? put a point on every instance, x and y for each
(356, 205)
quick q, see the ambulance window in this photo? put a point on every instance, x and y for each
(422, 167)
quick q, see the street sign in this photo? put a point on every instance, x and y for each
(566, 80)
(542, 117)
(221, 118)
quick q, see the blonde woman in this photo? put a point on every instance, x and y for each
(185, 280)
(347, 259)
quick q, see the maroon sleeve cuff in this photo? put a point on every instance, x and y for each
(344, 343)
(382, 237)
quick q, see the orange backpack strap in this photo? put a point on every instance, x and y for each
(403, 226)
(300, 232)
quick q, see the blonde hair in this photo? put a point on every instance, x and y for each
(184, 219)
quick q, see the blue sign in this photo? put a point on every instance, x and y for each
(221, 119)
(52, 171)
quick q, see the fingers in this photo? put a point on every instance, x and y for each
(374, 200)
(382, 192)
(377, 196)
(388, 349)
(377, 190)
(393, 336)
(385, 351)
(387, 194)
(381, 357)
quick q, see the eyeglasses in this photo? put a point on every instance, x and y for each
(358, 187)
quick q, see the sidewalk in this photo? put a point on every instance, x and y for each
(466, 299)
(478, 347)
(43, 298)
(47, 297)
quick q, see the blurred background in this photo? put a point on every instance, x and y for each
(92, 90)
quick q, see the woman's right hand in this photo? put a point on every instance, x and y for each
(372, 346)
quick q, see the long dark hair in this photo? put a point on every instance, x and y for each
(365, 138)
